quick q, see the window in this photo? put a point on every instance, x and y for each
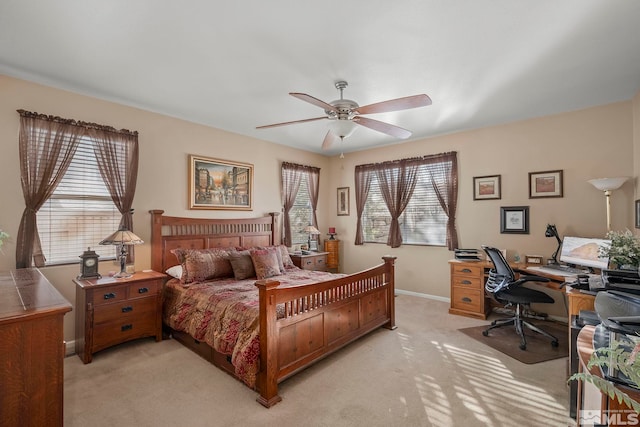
(80, 212)
(426, 186)
(301, 214)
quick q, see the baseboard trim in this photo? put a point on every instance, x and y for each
(421, 295)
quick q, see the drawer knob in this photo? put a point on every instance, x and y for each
(466, 299)
(126, 327)
(127, 309)
(466, 270)
(110, 295)
(143, 290)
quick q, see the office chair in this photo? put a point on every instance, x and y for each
(503, 286)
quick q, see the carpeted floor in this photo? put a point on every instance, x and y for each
(539, 348)
(424, 373)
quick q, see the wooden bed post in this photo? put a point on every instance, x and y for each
(156, 240)
(276, 236)
(389, 274)
(267, 383)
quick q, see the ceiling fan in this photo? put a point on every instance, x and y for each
(345, 113)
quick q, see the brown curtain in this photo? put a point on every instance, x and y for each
(117, 157)
(47, 145)
(396, 185)
(363, 175)
(292, 175)
(447, 192)
(397, 181)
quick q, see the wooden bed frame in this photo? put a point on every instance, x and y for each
(319, 318)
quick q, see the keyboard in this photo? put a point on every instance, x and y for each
(566, 268)
(554, 272)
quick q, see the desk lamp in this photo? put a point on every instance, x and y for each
(608, 185)
(552, 231)
(312, 231)
(123, 238)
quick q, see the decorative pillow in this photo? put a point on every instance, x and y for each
(265, 262)
(175, 271)
(203, 264)
(286, 258)
(242, 265)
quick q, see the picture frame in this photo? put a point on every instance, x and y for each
(343, 201)
(545, 184)
(219, 184)
(637, 204)
(487, 187)
(514, 219)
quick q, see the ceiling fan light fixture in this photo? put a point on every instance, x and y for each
(342, 128)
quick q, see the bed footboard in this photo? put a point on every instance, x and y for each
(319, 319)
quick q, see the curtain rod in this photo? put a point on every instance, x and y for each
(409, 159)
(85, 125)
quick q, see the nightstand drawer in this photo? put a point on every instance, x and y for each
(467, 299)
(111, 333)
(137, 290)
(109, 294)
(124, 310)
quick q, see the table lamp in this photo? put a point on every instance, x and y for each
(608, 185)
(552, 231)
(123, 238)
(312, 231)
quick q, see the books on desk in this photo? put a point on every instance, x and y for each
(468, 254)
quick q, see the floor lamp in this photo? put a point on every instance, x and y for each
(608, 185)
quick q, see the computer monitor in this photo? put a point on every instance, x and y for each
(584, 252)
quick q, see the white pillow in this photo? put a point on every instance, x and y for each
(175, 271)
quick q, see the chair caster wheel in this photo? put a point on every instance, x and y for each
(554, 344)
(485, 333)
(523, 346)
(494, 323)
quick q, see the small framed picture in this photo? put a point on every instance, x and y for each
(545, 184)
(637, 213)
(343, 201)
(486, 187)
(533, 259)
(514, 219)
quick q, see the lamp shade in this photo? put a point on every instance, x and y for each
(608, 184)
(122, 237)
(310, 229)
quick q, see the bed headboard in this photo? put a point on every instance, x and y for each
(169, 232)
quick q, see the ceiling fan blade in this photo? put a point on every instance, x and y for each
(383, 127)
(396, 104)
(329, 140)
(315, 101)
(290, 123)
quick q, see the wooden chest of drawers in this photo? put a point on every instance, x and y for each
(111, 311)
(313, 261)
(467, 289)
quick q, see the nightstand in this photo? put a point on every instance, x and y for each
(313, 261)
(111, 311)
(332, 246)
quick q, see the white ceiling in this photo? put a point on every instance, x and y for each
(231, 64)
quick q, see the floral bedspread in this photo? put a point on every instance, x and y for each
(224, 314)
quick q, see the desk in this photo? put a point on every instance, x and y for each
(467, 286)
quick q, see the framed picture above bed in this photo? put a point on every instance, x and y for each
(219, 184)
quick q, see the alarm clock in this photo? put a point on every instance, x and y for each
(89, 265)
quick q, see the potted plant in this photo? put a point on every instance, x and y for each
(624, 251)
(3, 236)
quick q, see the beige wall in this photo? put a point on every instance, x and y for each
(586, 144)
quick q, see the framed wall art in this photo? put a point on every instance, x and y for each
(486, 187)
(545, 184)
(219, 184)
(343, 201)
(514, 219)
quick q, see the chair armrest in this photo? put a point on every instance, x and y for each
(529, 278)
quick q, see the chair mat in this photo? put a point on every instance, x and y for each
(539, 349)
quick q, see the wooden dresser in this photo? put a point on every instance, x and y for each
(111, 311)
(332, 247)
(467, 289)
(31, 349)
